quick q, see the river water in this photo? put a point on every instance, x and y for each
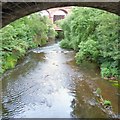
(47, 83)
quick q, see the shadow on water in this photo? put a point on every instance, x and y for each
(47, 83)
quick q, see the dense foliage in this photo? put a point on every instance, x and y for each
(93, 34)
(28, 32)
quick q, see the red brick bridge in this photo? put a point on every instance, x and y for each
(56, 14)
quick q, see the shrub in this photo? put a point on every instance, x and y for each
(28, 32)
(94, 35)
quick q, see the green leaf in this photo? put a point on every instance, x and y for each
(107, 102)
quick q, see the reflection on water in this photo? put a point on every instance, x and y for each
(49, 84)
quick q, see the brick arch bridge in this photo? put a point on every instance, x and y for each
(58, 13)
(55, 11)
(15, 10)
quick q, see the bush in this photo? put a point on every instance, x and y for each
(28, 32)
(65, 44)
(109, 69)
(88, 51)
(93, 34)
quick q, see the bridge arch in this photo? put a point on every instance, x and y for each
(45, 12)
(65, 11)
(15, 10)
(58, 13)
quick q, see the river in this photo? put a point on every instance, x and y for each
(48, 83)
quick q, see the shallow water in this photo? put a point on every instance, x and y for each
(47, 83)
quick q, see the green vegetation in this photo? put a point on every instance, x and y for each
(93, 34)
(107, 102)
(100, 99)
(28, 32)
